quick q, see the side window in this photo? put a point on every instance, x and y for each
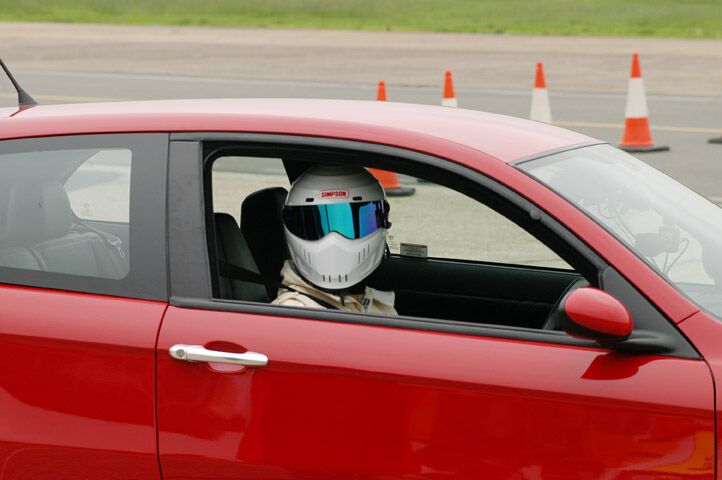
(85, 213)
(52, 201)
(439, 222)
(451, 256)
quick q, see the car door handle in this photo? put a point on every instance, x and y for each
(198, 353)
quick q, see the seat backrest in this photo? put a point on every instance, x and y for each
(231, 247)
(262, 227)
(40, 220)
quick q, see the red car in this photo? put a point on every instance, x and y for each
(559, 302)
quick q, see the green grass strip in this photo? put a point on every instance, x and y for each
(655, 18)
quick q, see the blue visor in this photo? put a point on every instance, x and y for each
(352, 220)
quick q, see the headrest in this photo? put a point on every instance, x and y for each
(262, 228)
(38, 211)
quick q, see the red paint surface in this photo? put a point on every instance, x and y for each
(419, 126)
(353, 401)
(76, 386)
(598, 311)
(705, 332)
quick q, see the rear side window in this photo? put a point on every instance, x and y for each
(43, 230)
(72, 211)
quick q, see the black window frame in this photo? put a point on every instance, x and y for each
(147, 278)
(191, 249)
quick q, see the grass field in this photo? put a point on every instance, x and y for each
(659, 18)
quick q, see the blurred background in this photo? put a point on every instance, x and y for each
(66, 51)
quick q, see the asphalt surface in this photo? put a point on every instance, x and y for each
(586, 76)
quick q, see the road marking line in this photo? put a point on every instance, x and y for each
(660, 128)
(356, 85)
(561, 123)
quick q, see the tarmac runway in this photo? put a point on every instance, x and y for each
(586, 76)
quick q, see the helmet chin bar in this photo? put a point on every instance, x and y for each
(335, 262)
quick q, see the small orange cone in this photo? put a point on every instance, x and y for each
(389, 180)
(449, 99)
(381, 92)
(540, 109)
(637, 137)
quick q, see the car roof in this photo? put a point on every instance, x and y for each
(399, 124)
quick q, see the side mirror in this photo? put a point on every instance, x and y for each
(593, 314)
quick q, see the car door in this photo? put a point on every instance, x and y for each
(82, 293)
(328, 394)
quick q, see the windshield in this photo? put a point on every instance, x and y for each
(676, 231)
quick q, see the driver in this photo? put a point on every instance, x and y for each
(335, 223)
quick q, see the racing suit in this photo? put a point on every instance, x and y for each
(302, 294)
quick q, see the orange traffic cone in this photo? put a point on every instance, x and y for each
(381, 92)
(540, 109)
(637, 137)
(449, 99)
(389, 180)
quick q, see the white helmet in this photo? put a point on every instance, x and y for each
(336, 220)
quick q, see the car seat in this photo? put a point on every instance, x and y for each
(262, 227)
(231, 247)
(41, 222)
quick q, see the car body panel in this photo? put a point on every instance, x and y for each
(380, 122)
(340, 400)
(77, 385)
(705, 332)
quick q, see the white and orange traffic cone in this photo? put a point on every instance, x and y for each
(715, 139)
(389, 180)
(637, 137)
(540, 109)
(449, 99)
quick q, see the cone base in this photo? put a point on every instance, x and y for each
(715, 140)
(400, 191)
(646, 149)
